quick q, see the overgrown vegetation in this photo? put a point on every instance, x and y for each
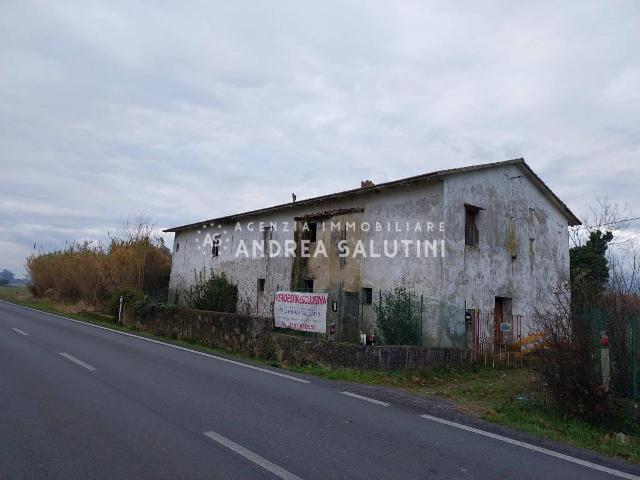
(94, 273)
(566, 367)
(588, 333)
(397, 319)
(213, 292)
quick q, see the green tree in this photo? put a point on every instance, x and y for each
(588, 262)
(6, 277)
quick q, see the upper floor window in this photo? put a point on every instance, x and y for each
(215, 250)
(267, 234)
(310, 232)
(471, 233)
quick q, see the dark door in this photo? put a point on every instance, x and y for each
(351, 321)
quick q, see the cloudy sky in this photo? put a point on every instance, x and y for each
(188, 110)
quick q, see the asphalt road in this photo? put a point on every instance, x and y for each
(82, 402)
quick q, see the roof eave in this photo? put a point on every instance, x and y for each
(438, 175)
(572, 219)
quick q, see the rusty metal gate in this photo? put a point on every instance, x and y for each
(495, 339)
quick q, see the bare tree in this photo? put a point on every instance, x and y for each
(567, 373)
(140, 233)
(604, 216)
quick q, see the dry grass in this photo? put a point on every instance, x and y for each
(93, 272)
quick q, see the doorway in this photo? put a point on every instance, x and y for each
(351, 323)
(501, 314)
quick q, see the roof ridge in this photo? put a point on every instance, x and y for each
(416, 178)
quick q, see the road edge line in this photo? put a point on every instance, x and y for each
(535, 448)
(366, 399)
(178, 347)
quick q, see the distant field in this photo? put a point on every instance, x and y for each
(14, 292)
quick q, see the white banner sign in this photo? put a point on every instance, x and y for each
(301, 311)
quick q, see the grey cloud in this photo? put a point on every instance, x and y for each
(196, 109)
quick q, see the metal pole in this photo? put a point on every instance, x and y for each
(360, 313)
(634, 356)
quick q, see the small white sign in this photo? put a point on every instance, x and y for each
(301, 311)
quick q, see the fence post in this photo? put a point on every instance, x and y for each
(379, 308)
(410, 314)
(421, 309)
(605, 361)
(339, 316)
(634, 356)
(120, 309)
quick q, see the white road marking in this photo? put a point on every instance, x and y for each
(218, 438)
(253, 457)
(79, 362)
(367, 399)
(222, 359)
(535, 448)
(17, 330)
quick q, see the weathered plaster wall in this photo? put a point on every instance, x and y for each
(517, 219)
(515, 211)
(243, 271)
(398, 209)
(412, 204)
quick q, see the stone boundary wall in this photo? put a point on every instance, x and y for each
(254, 337)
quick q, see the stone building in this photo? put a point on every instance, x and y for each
(491, 238)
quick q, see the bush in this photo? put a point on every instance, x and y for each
(397, 319)
(566, 366)
(145, 307)
(94, 273)
(129, 296)
(212, 292)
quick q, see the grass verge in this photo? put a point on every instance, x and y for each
(506, 397)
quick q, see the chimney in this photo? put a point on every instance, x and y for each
(293, 197)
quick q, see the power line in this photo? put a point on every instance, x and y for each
(616, 222)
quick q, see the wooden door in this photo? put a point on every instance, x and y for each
(351, 322)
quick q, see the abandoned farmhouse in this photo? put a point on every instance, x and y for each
(490, 238)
